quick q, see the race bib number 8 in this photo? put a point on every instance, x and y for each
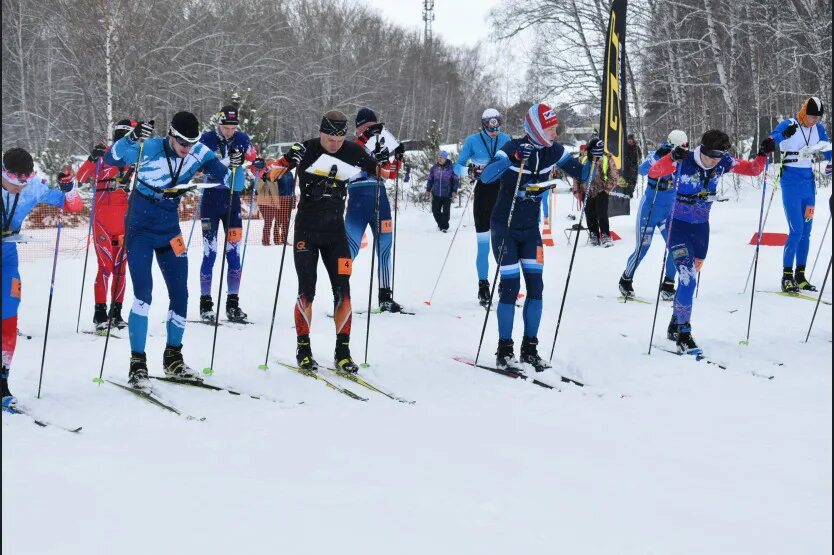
(178, 245)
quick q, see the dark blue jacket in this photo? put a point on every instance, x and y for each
(536, 170)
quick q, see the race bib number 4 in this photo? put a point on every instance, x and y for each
(345, 266)
(178, 245)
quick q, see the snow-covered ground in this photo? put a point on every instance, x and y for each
(659, 454)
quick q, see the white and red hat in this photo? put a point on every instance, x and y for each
(539, 117)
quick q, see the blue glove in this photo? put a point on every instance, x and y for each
(65, 181)
(523, 152)
(259, 163)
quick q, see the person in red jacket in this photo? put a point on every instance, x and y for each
(109, 208)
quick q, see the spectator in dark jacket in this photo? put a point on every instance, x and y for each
(442, 184)
(631, 160)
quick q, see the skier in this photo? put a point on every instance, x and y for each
(606, 177)
(654, 213)
(362, 206)
(109, 210)
(701, 170)
(320, 228)
(522, 250)
(798, 189)
(152, 226)
(214, 208)
(480, 148)
(22, 191)
(441, 185)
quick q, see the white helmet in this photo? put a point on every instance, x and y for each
(678, 138)
(491, 118)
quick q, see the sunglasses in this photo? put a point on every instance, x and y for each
(713, 153)
(17, 178)
(181, 139)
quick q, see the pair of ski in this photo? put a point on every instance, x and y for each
(232, 323)
(355, 378)
(805, 296)
(510, 373)
(701, 357)
(19, 409)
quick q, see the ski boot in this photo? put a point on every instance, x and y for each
(483, 292)
(788, 283)
(504, 357)
(233, 311)
(801, 282)
(175, 367)
(342, 355)
(672, 330)
(9, 400)
(116, 315)
(207, 309)
(667, 289)
(138, 375)
(593, 239)
(605, 240)
(686, 344)
(304, 355)
(386, 301)
(626, 289)
(529, 354)
(100, 317)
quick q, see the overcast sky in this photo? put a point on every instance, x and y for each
(458, 22)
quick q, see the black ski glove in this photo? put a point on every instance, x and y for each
(790, 130)
(143, 130)
(98, 152)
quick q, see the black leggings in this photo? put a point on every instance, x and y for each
(335, 253)
(485, 197)
(596, 209)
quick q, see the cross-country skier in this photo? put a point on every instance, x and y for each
(654, 213)
(362, 205)
(214, 209)
(22, 191)
(798, 190)
(700, 173)
(152, 226)
(606, 177)
(109, 210)
(522, 252)
(479, 149)
(324, 166)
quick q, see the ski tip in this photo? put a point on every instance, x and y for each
(744, 342)
(208, 371)
(427, 303)
(365, 365)
(98, 380)
(263, 367)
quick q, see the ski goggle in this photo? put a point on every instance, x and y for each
(16, 178)
(491, 124)
(712, 153)
(181, 139)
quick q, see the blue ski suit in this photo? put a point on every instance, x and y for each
(522, 243)
(152, 226)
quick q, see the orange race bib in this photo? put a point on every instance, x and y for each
(345, 266)
(178, 245)
(385, 226)
(16, 286)
(235, 234)
(540, 255)
(809, 213)
(698, 263)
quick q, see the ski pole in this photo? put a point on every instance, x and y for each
(246, 235)
(761, 228)
(365, 364)
(665, 254)
(394, 238)
(756, 256)
(449, 250)
(49, 304)
(500, 257)
(573, 255)
(120, 272)
(265, 365)
(822, 288)
(87, 247)
(814, 267)
(100, 379)
(209, 371)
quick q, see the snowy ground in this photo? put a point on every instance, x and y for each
(658, 454)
